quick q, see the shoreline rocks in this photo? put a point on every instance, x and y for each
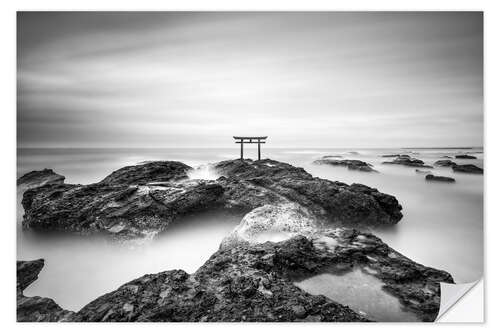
(350, 164)
(142, 200)
(35, 309)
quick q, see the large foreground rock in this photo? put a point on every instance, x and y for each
(255, 282)
(140, 201)
(35, 308)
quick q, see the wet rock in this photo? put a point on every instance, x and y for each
(439, 179)
(445, 163)
(40, 178)
(350, 164)
(468, 157)
(408, 161)
(251, 184)
(467, 168)
(35, 308)
(255, 282)
(141, 201)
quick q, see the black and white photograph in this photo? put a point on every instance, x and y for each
(247, 166)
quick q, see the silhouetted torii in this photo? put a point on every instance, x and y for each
(249, 139)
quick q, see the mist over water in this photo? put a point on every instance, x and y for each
(442, 225)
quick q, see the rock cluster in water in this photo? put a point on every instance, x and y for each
(350, 164)
(408, 161)
(142, 200)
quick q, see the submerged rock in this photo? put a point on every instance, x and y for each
(467, 168)
(408, 161)
(350, 164)
(40, 178)
(255, 282)
(140, 201)
(422, 171)
(35, 308)
(439, 179)
(468, 157)
(445, 163)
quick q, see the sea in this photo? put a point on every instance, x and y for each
(442, 225)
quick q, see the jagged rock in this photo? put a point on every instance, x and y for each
(251, 184)
(35, 308)
(439, 179)
(350, 164)
(255, 282)
(408, 161)
(467, 168)
(140, 201)
(468, 157)
(40, 178)
(422, 171)
(156, 171)
(445, 163)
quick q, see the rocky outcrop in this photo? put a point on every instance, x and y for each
(40, 178)
(251, 184)
(467, 168)
(445, 163)
(255, 282)
(350, 164)
(408, 161)
(35, 308)
(467, 157)
(140, 201)
(433, 178)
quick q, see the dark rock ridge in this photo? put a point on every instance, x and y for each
(439, 179)
(255, 282)
(35, 308)
(350, 164)
(467, 168)
(408, 161)
(40, 178)
(445, 163)
(468, 157)
(142, 200)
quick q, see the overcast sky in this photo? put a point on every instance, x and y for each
(196, 79)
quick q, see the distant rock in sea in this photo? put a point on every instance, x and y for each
(350, 164)
(439, 179)
(422, 171)
(332, 156)
(408, 161)
(467, 168)
(445, 163)
(468, 157)
(142, 200)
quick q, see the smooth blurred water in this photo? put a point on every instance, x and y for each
(442, 225)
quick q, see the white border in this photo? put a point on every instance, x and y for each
(8, 142)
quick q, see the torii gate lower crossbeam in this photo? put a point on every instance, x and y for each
(250, 139)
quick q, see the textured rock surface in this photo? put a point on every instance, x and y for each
(40, 178)
(408, 161)
(467, 168)
(350, 164)
(254, 282)
(433, 178)
(35, 308)
(140, 201)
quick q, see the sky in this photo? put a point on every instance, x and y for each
(194, 79)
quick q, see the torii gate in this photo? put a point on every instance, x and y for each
(249, 139)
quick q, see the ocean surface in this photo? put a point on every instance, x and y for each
(442, 225)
